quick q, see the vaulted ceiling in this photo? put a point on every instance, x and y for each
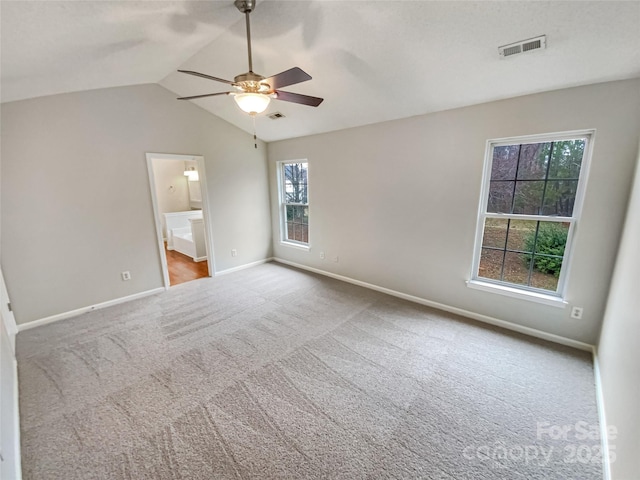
(371, 61)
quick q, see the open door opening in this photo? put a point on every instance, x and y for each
(180, 208)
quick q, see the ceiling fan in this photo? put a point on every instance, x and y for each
(254, 92)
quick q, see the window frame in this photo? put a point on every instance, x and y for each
(549, 297)
(282, 208)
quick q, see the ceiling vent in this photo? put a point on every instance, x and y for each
(523, 46)
(275, 115)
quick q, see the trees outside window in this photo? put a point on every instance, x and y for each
(530, 205)
(294, 200)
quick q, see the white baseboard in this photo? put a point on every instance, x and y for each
(602, 418)
(200, 259)
(242, 267)
(79, 311)
(447, 308)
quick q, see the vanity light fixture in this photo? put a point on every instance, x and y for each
(192, 174)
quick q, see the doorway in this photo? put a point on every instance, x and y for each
(181, 214)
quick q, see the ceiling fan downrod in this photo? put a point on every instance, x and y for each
(246, 7)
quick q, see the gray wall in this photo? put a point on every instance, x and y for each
(398, 201)
(76, 203)
(618, 352)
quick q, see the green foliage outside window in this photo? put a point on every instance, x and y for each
(551, 240)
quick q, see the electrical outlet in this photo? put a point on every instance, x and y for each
(126, 276)
(234, 252)
(322, 255)
(576, 312)
(336, 258)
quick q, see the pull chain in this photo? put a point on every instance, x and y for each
(255, 139)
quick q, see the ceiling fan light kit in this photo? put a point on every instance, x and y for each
(254, 92)
(252, 103)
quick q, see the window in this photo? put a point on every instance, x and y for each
(294, 201)
(530, 204)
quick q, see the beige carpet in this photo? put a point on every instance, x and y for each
(274, 373)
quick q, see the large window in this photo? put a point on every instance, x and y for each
(294, 201)
(530, 205)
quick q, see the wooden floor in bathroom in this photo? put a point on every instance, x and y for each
(183, 269)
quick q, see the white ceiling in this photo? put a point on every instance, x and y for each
(370, 61)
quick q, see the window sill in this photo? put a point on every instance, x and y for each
(299, 246)
(550, 300)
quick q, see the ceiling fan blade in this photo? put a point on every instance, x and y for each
(289, 77)
(205, 95)
(209, 77)
(298, 98)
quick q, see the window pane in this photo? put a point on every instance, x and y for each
(533, 161)
(297, 232)
(298, 213)
(547, 261)
(297, 223)
(528, 197)
(295, 182)
(505, 160)
(560, 197)
(516, 268)
(521, 235)
(300, 232)
(552, 238)
(495, 233)
(543, 280)
(490, 264)
(500, 197)
(547, 264)
(566, 160)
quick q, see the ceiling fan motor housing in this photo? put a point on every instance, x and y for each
(251, 82)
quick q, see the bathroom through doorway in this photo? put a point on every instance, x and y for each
(180, 208)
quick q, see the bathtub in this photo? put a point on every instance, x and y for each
(190, 240)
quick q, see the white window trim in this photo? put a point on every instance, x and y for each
(556, 298)
(515, 292)
(294, 244)
(282, 214)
